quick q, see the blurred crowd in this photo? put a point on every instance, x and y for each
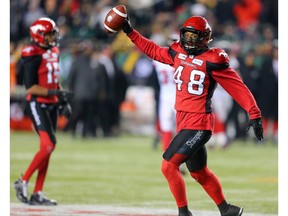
(99, 68)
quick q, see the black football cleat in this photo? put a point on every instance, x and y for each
(21, 190)
(39, 199)
(233, 211)
(185, 214)
(184, 211)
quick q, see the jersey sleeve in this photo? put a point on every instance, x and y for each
(151, 49)
(233, 84)
(30, 65)
(218, 66)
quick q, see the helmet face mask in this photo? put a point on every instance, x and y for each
(195, 35)
(44, 33)
(52, 38)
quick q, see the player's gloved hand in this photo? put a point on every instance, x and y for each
(127, 26)
(257, 128)
(63, 95)
(65, 110)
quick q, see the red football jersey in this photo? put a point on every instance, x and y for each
(196, 78)
(48, 71)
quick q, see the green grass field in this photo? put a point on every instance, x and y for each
(125, 171)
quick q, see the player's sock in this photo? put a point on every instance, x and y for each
(219, 125)
(46, 148)
(36, 162)
(265, 123)
(275, 127)
(42, 171)
(175, 181)
(210, 183)
(166, 139)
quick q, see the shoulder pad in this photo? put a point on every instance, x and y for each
(31, 50)
(217, 55)
(176, 47)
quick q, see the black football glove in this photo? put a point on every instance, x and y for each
(65, 110)
(127, 26)
(64, 96)
(257, 128)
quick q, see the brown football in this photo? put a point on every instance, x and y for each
(115, 18)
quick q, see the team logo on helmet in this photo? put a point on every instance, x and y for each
(40, 28)
(195, 34)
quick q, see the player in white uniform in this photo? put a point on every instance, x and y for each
(166, 122)
(166, 111)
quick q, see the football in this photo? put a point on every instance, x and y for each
(115, 18)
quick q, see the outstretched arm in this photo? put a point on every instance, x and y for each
(147, 46)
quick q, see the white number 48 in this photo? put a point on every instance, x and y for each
(195, 85)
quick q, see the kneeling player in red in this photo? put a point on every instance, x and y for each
(198, 69)
(45, 100)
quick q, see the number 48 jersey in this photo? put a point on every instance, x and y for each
(194, 80)
(41, 66)
(196, 77)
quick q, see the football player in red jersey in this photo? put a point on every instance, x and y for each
(198, 69)
(45, 98)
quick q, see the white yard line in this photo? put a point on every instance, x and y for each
(18, 209)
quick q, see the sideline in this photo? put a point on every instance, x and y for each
(19, 209)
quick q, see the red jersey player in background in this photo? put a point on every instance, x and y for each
(45, 99)
(198, 69)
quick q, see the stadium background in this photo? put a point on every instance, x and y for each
(80, 24)
(248, 31)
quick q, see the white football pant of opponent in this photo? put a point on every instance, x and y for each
(167, 113)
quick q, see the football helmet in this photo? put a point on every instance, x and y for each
(42, 27)
(195, 34)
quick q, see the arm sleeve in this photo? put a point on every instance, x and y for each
(151, 49)
(30, 67)
(233, 84)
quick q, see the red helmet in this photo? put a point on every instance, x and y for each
(202, 30)
(40, 28)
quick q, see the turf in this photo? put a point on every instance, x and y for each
(125, 171)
